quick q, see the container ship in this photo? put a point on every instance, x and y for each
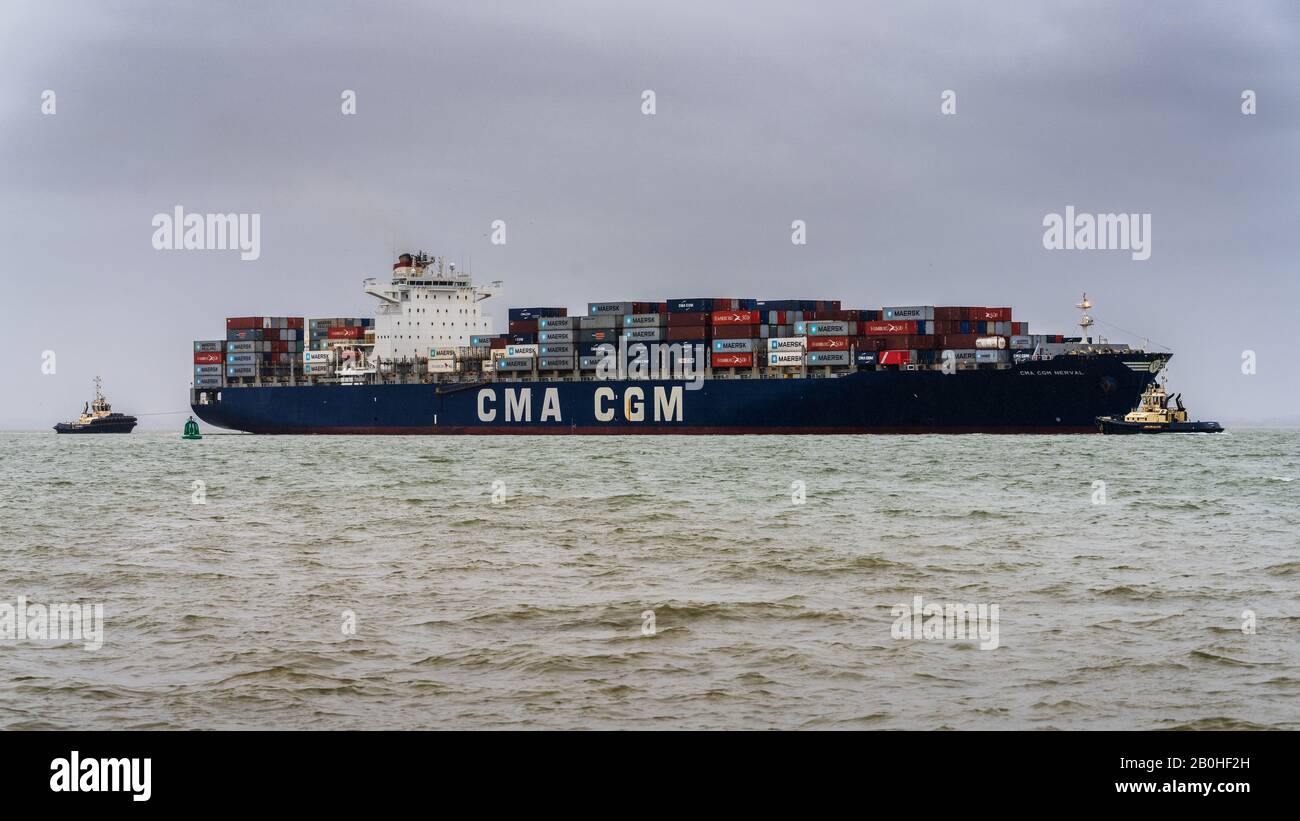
(429, 362)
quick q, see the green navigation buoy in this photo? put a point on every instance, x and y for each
(191, 430)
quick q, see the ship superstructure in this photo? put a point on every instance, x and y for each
(428, 304)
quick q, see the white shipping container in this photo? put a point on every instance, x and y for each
(784, 359)
(643, 320)
(733, 345)
(317, 356)
(442, 353)
(990, 356)
(959, 355)
(1022, 343)
(819, 358)
(787, 343)
(515, 363)
(643, 334)
(442, 365)
(607, 309)
(991, 342)
(830, 327)
(913, 312)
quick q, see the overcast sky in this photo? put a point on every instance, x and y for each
(531, 113)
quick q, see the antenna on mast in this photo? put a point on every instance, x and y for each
(1085, 321)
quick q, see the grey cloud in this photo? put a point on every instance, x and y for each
(530, 113)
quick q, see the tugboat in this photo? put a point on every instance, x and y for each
(1153, 415)
(98, 417)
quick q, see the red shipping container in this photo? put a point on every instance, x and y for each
(346, 333)
(688, 318)
(735, 317)
(949, 313)
(827, 315)
(828, 343)
(992, 315)
(889, 327)
(958, 341)
(211, 358)
(523, 326)
(686, 332)
(896, 358)
(295, 322)
(869, 343)
(733, 360)
(239, 323)
(497, 343)
(735, 331)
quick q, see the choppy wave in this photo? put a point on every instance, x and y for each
(558, 582)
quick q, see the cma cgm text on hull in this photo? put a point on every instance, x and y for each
(428, 362)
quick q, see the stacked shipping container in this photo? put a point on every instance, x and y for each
(256, 348)
(263, 348)
(209, 363)
(323, 330)
(738, 333)
(748, 333)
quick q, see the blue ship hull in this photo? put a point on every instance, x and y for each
(1064, 395)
